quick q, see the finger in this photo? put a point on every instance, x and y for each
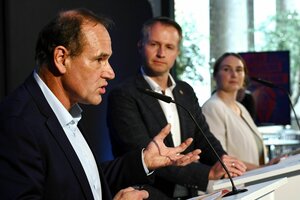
(226, 158)
(189, 158)
(122, 192)
(185, 160)
(235, 170)
(240, 165)
(128, 189)
(163, 133)
(143, 194)
(129, 195)
(196, 152)
(182, 147)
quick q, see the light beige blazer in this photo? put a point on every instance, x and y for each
(236, 133)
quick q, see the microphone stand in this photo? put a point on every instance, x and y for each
(291, 104)
(234, 189)
(168, 99)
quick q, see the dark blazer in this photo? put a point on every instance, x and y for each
(135, 118)
(37, 160)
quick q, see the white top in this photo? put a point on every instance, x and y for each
(236, 133)
(68, 121)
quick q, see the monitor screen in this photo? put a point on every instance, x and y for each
(272, 105)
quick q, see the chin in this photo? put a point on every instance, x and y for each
(100, 99)
(95, 101)
(98, 102)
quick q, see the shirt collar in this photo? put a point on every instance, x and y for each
(63, 115)
(154, 86)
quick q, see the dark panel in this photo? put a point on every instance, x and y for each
(24, 20)
(271, 103)
(167, 8)
(2, 52)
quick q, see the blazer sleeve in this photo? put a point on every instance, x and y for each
(125, 171)
(21, 165)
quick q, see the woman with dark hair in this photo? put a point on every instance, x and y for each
(228, 119)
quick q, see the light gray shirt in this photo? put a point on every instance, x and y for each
(68, 121)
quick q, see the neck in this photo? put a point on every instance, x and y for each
(162, 79)
(54, 84)
(230, 100)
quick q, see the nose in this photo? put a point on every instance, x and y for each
(160, 52)
(233, 73)
(108, 73)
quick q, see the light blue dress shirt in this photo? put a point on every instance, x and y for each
(69, 120)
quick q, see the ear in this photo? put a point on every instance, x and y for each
(60, 55)
(140, 45)
(178, 52)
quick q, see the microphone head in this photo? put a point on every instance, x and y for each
(156, 95)
(264, 82)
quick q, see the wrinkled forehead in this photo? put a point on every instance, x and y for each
(97, 38)
(95, 30)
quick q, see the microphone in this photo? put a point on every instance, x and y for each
(264, 82)
(168, 99)
(156, 95)
(272, 85)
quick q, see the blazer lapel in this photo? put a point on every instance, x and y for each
(150, 102)
(59, 135)
(179, 97)
(153, 105)
(70, 154)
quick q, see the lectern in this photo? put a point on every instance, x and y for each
(289, 167)
(261, 191)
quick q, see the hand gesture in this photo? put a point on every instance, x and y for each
(157, 154)
(234, 166)
(131, 194)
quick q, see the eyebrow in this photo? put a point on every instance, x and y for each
(103, 55)
(227, 65)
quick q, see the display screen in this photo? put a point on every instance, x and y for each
(272, 105)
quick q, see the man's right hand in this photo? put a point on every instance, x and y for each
(131, 194)
(234, 166)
